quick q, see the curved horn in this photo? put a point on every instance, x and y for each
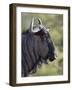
(31, 25)
(40, 22)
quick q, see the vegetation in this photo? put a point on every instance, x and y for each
(55, 23)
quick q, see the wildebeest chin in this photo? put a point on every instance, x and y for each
(37, 48)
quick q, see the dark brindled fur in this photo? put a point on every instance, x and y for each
(37, 48)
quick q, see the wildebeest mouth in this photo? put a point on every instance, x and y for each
(52, 58)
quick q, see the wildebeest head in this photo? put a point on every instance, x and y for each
(45, 44)
(37, 47)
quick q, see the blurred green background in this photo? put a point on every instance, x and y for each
(55, 24)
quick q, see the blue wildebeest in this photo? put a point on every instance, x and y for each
(37, 48)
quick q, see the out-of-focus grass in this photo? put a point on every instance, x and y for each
(47, 70)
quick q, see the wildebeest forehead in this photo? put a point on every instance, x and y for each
(40, 33)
